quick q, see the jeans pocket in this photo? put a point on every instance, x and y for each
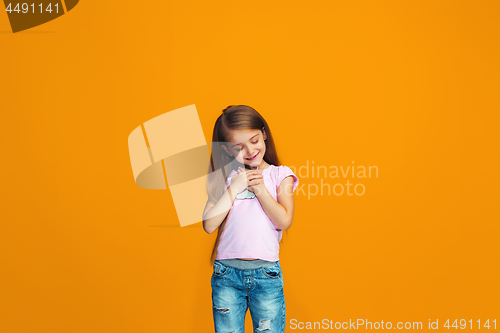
(220, 269)
(273, 272)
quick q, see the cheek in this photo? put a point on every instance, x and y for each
(238, 154)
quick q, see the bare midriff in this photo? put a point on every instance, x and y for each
(247, 259)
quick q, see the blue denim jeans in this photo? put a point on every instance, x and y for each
(235, 290)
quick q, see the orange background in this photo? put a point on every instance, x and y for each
(410, 87)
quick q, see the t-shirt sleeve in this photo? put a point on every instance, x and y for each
(283, 172)
(228, 180)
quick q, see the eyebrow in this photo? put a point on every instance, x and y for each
(240, 143)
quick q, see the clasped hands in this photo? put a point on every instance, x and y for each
(248, 179)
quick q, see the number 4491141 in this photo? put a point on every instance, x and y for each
(32, 8)
(463, 324)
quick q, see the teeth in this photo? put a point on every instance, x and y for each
(252, 157)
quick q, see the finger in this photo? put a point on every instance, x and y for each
(251, 174)
(252, 177)
(254, 182)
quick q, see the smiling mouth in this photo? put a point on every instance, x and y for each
(253, 158)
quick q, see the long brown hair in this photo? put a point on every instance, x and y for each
(234, 117)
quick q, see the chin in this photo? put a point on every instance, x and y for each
(253, 165)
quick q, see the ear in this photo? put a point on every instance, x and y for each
(264, 133)
(226, 150)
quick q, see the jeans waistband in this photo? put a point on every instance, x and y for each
(247, 264)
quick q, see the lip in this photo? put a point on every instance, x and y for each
(252, 159)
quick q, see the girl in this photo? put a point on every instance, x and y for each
(250, 202)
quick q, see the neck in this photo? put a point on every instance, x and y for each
(263, 165)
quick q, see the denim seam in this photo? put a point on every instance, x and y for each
(284, 314)
(227, 271)
(269, 276)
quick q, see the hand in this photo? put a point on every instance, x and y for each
(246, 179)
(259, 187)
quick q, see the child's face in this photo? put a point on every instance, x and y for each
(248, 146)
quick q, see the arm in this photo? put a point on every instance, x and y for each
(281, 211)
(215, 212)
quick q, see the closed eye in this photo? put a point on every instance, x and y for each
(238, 148)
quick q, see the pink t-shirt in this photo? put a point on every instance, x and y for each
(249, 233)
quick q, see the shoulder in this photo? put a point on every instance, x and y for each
(230, 177)
(281, 172)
